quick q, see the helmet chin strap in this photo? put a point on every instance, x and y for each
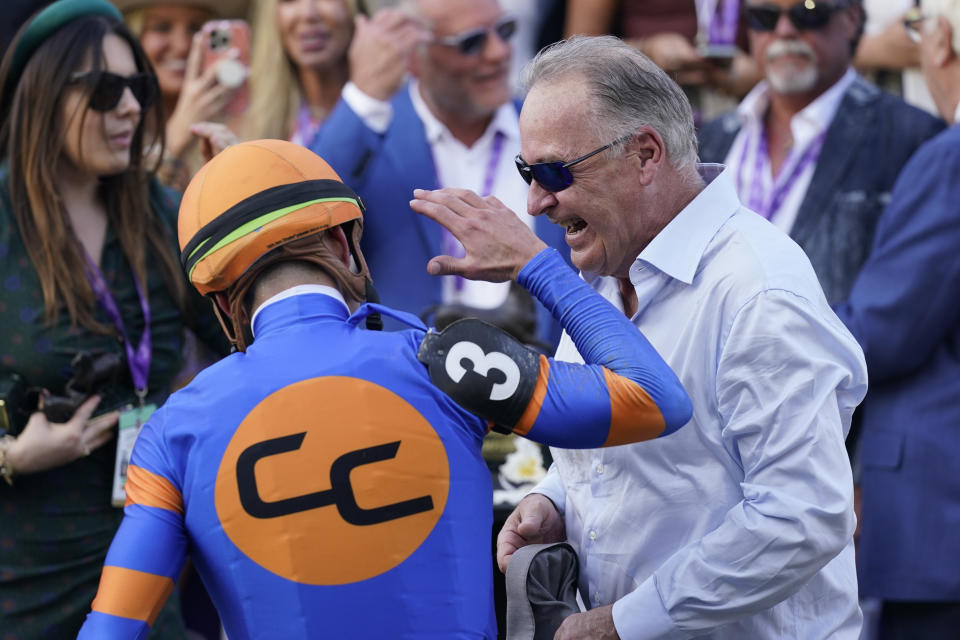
(374, 321)
(226, 326)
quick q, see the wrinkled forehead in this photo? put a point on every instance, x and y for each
(557, 120)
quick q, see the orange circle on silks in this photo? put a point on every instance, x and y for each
(332, 480)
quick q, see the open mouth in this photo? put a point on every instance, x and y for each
(575, 226)
(314, 41)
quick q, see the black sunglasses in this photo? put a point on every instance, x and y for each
(556, 176)
(108, 88)
(805, 16)
(472, 42)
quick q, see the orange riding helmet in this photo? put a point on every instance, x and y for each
(254, 197)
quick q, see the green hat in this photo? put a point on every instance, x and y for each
(47, 22)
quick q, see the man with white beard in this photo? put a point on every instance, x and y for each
(815, 148)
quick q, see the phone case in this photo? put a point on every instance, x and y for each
(226, 46)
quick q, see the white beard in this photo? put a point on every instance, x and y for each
(792, 78)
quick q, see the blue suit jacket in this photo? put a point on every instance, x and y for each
(904, 309)
(870, 139)
(384, 169)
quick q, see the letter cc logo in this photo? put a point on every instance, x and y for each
(329, 470)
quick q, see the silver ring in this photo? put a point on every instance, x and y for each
(86, 450)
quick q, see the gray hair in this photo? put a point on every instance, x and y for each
(628, 91)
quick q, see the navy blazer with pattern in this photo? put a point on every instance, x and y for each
(869, 141)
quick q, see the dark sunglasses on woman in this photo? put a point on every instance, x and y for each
(108, 88)
(807, 15)
(473, 41)
(556, 176)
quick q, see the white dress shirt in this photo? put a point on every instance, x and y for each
(739, 525)
(743, 159)
(457, 165)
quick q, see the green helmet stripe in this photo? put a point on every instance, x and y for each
(254, 225)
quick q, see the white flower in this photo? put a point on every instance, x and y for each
(523, 466)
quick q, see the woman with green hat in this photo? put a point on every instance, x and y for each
(94, 304)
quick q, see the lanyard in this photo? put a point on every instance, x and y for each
(784, 181)
(138, 360)
(307, 127)
(710, 30)
(452, 246)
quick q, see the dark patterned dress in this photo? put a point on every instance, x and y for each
(56, 526)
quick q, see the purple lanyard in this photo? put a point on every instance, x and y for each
(724, 30)
(717, 29)
(769, 205)
(138, 360)
(307, 127)
(451, 246)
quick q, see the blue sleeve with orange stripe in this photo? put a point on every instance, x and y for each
(624, 383)
(135, 584)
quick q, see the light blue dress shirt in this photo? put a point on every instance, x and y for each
(738, 526)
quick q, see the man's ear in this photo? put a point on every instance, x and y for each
(646, 153)
(336, 240)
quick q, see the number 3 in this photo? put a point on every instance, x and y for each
(482, 364)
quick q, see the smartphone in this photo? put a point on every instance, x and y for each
(226, 46)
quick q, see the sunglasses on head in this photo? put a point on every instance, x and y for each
(108, 88)
(472, 42)
(805, 16)
(556, 176)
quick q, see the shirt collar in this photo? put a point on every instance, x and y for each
(299, 290)
(956, 115)
(504, 121)
(679, 247)
(819, 113)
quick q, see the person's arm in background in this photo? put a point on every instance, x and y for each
(670, 51)
(889, 48)
(201, 99)
(379, 58)
(134, 585)
(904, 300)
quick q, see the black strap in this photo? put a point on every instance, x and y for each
(258, 204)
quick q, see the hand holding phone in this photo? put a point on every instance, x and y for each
(226, 50)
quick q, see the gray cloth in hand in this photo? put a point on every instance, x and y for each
(541, 585)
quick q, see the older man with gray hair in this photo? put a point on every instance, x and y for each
(740, 525)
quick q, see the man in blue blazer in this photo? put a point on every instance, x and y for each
(814, 147)
(453, 125)
(904, 309)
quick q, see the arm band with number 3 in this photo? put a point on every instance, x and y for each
(624, 393)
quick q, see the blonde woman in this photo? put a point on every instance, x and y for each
(306, 52)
